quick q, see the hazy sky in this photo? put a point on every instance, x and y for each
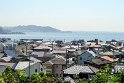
(74, 15)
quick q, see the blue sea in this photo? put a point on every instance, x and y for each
(67, 36)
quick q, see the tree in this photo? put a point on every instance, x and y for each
(47, 79)
(41, 74)
(21, 76)
(35, 78)
(101, 77)
(8, 75)
(84, 80)
(114, 79)
(14, 76)
(49, 74)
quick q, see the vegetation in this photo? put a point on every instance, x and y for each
(16, 76)
(1, 78)
(82, 80)
(105, 76)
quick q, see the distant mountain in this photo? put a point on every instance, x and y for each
(34, 28)
(2, 30)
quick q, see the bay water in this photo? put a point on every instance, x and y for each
(67, 36)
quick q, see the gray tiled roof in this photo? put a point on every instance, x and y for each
(100, 61)
(8, 64)
(1, 54)
(57, 60)
(76, 69)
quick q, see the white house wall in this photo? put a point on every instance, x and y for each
(33, 68)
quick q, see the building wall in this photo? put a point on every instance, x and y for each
(1, 47)
(33, 69)
(47, 68)
(2, 68)
(85, 57)
(58, 70)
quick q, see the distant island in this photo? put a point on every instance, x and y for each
(29, 28)
(7, 31)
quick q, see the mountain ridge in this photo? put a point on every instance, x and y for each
(34, 28)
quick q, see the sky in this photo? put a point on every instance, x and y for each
(67, 15)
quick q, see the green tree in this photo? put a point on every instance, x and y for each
(41, 74)
(21, 76)
(35, 78)
(14, 76)
(114, 79)
(47, 79)
(101, 77)
(84, 80)
(8, 75)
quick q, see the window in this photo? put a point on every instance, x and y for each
(56, 66)
(35, 70)
(57, 75)
(80, 58)
(41, 69)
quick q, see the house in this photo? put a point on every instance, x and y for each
(118, 68)
(44, 48)
(10, 53)
(98, 62)
(110, 58)
(59, 52)
(1, 54)
(120, 43)
(1, 47)
(69, 79)
(7, 55)
(55, 66)
(21, 49)
(85, 56)
(3, 66)
(59, 43)
(116, 54)
(81, 71)
(43, 56)
(113, 42)
(9, 45)
(5, 59)
(30, 68)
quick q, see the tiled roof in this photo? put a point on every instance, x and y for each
(23, 65)
(109, 58)
(99, 61)
(43, 47)
(8, 58)
(57, 60)
(110, 53)
(34, 59)
(76, 69)
(7, 64)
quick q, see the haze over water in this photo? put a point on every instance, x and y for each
(67, 36)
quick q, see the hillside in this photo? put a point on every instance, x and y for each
(34, 28)
(2, 30)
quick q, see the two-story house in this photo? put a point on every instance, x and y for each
(85, 56)
(55, 66)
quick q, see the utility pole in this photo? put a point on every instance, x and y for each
(66, 57)
(29, 59)
(52, 45)
(78, 46)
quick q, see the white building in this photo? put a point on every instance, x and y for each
(34, 67)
